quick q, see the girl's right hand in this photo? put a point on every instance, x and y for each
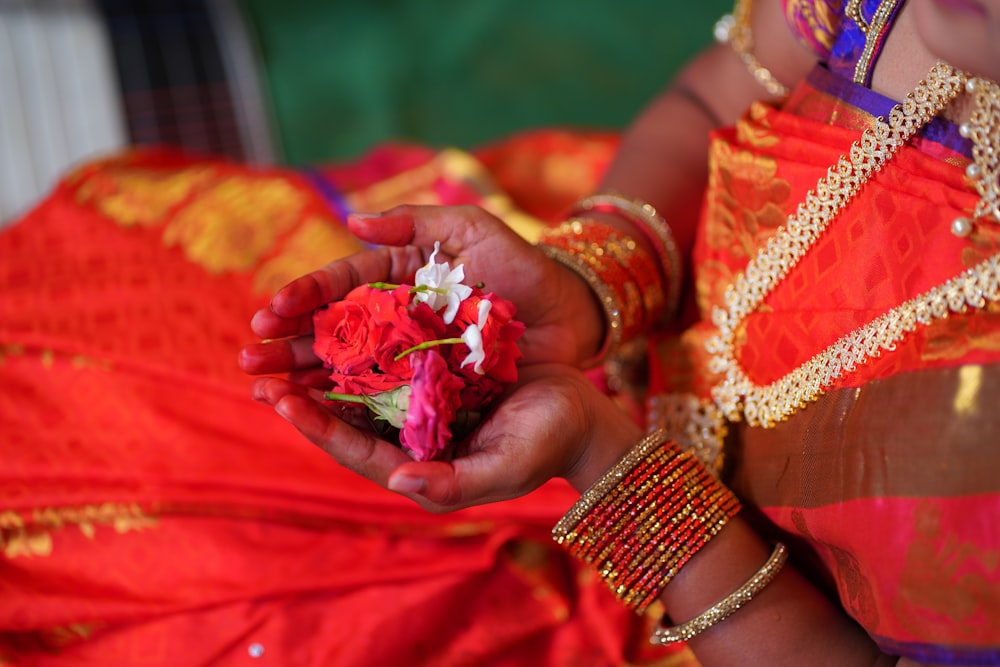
(565, 323)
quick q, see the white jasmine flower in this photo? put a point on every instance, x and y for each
(440, 286)
(473, 338)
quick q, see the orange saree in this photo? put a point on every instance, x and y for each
(152, 514)
(887, 486)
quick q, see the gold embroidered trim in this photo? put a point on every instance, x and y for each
(767, 404)
(983, 130)
(696, 425)
(736, 395)
(21, 537)
(872, 30)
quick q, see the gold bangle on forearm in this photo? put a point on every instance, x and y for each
(619, 271)
(654, 227)
(727, 606)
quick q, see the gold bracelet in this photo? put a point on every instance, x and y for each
(727, 606)
(654, 227)
(619, 271)
(734, 29)
(609, 302)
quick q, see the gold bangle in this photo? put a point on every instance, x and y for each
(645, 216)
(734, 29)
(606, 483)
(609, 302)
(728, 605)
(618, 270)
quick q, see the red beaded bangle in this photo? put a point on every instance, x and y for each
(653, 227)
(646, 518)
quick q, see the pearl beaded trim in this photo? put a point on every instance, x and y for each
(737, 396)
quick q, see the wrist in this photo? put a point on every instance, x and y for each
(622, 276)
(600, 452)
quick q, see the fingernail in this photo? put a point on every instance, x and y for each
(280, 409)
(406, 484)
(365, 216)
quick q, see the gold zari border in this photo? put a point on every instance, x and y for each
(737, 396)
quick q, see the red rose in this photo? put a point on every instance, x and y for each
(359, 337)
(368, 382)
(342, 332)
(479, 392)
(396, 326)
(434, 403)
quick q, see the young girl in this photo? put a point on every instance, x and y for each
(830, 368)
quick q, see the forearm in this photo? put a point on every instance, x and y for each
(790, 621)
(663, 158)
(664, 154)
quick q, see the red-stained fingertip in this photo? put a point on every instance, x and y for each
(394, 227)
(406, 484)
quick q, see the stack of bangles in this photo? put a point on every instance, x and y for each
(636, 290)
(645, 519)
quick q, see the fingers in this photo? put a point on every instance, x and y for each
(459, 229)
(278, 356)
(483, 476)
(475, 479)
(320, 287)
(267, 324)
(356, 450)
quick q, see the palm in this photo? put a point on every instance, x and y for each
(541, 429)
(560, 313)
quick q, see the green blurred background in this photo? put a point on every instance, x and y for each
(342, 76)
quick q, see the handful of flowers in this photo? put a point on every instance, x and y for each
(423, 357)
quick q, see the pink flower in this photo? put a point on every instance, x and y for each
(434, 402)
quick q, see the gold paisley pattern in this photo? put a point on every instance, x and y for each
(139, 197)
(17, 541)
(746, 204)
(21, 538)
(944, 576)
(309, 247)
(232, 224)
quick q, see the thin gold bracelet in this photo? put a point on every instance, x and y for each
(728, 605)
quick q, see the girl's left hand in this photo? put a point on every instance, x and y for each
(553, 423)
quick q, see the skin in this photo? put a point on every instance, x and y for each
(965, 33)
(663, 161)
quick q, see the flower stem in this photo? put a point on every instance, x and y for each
(428, 344)
(382, 285)
(347, 398)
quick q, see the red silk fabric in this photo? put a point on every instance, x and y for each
(152, 514)
(888, 486)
